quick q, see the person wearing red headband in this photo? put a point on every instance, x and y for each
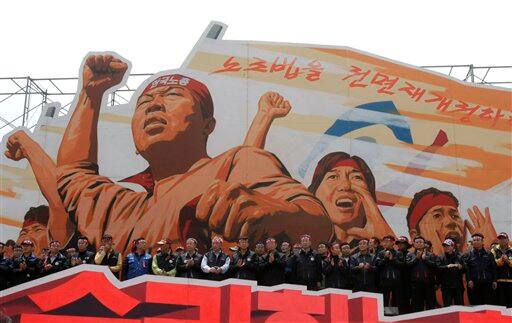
(244, 191)
(434, 214)
(346, 187)
(34, 228)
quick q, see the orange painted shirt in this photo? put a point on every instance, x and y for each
(98, 205)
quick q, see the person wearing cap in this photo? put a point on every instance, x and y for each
(83, 255)
(403, 245)
(422, 266)
(389, 267)
(346, 187)
(107, 256)
(164, 262)
(480, 272)
(215, 263)
(173, 118)
(307, 266)
(272, 265)
(30, 266)
(450, 273)
(138, 262)
(503, 257)
(362, 266)
(54, 261)
(189, 263)
(244, 263)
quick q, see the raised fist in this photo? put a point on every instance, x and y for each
(100, 73)
(273, 105)
(17, 145)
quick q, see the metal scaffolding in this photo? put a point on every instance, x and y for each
(22, 98)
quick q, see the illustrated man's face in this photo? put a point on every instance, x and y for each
(166, 115)
(37, 233)
(439, 222)
(336, 192)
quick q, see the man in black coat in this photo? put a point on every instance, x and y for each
(480, 272)
(83, 255)
(189, 263)
(244, 262)
(450, 272)
(336, 269)
(363, 268)
(55, 261)
(389, 265)
(422, 266)
(272, 265)
(307, 266)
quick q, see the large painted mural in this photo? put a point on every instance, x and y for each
(264, 139)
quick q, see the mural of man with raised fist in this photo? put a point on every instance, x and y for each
(243, 192)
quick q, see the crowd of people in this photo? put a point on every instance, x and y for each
(407, 275)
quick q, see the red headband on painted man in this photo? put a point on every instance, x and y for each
(426, 203)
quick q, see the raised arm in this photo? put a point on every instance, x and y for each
(19, 146)
(270, 106)
(80, 140)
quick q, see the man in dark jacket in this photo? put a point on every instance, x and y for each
(403, 246)
(503, 257)
(480, 272)
(422, 265)
(345, 254)
(189, 263)
(307, 267)
(272, 265)
(54, 261)
(450, 272)
(336, 269)
(82, 256)
(244, 262)
(215, 263)
(362, 267)
(107, 256)
(389, 265)
(164, 262)
(286, 250)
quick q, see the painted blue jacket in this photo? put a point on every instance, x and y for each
(135, 265)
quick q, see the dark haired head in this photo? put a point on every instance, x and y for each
(39, 214)
(418, 196)
(328, 162)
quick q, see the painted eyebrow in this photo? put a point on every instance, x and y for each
(437, 209)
